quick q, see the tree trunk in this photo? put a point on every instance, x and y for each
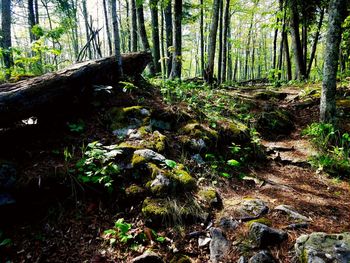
(221, 13)
(134, 26)
(169, 35)
(314, 46)
(201, 26)
(51, 92)
(225, 42)
(336, 9)
(247, 52)
(5, 37)
(177, 58)
(209, 72)
(143, 33)
(116, 37)
(297, 47)
(87, 31)
(155, 35)
(229, 54)
(105, 11)
(31, 20)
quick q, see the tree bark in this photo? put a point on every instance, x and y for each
(201, 26)
(314, 46)
(116, 37)
(221, 12)
(177, 58)
(225, 42)
(5, 37)
(87, 31)
(328, 100)
(134, 26)
(143, 33)
(52, 91)
(31, 20)
(297, 47)
(155, 35)
(169, 35)
(209, 72)
(109, 41)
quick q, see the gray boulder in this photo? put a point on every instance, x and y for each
(264, 236)
(263, 256)
(323, 248)
(219, 245)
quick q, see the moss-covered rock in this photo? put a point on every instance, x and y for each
(134, 191)
(269, 94)
(170, 211)
(262, 220)
(322, 247)
(233, 131)
(197, 130)
(209, 196)
(272, 124)
(134, 116)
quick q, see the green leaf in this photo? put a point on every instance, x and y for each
(170, 163)
(5, 242)
(233, 163)
(226, 175)
(160, 239)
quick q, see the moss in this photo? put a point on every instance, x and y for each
(199, 131)
(155, 209)
(262, 220)
(180, 259)
(154, 170)
(137, 160)
(159, 141)
(184, 181)
(208, 195)
(343, 103)
(134, 191)
(119, 116)
(129, 145)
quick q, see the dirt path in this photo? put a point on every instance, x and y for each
(288, 179)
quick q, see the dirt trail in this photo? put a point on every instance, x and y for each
(287, 178)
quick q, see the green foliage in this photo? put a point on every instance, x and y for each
(4, 242)
(126, 233)
(170, 163)
(98, 164)
(77, 127)
(333, 147)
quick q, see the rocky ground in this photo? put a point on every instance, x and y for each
(207, 175)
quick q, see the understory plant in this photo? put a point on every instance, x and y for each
(98, 164)
(333, 146)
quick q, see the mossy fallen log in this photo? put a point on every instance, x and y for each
(52, 91)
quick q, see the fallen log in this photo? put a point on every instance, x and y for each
(33, 96)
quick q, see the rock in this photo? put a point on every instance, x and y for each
(263, 256)
(210, 197)
(272, 124)
(159, 124)
(168, 211)
(8, 173)
(160, 185)
(253, 208)
(269, 94)
(292, 213)
(125, 131)
(297, 226)
(228, 223)
(197, 145)
(134, 192)
(321, 248)
(146, 155)
(219, 245)
(263, 236)
(233, 131)
(203, 241)
(198, 159)
(147, 257)
(242, 259)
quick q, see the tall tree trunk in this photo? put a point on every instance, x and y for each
(134, 26)
(212, 42)
(169, 35)
(105, 11)
(31, 20)
(247, 52)
(202, 36)
(328, 102)
(221, 13)
(155, 35)
(129, 29)
(225, 42)
(229, 54)
(143, 33)
(297, 47)
(274, 58)
(162, 43)
(116, 37)
(280, 57)
(87, 30)
(5, 39)
(177, 58)
(286, 52)
(314, 46)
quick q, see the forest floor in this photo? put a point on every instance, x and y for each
(58, 219)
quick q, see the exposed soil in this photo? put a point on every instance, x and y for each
(56, 220)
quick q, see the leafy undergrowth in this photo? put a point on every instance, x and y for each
(85, 190)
